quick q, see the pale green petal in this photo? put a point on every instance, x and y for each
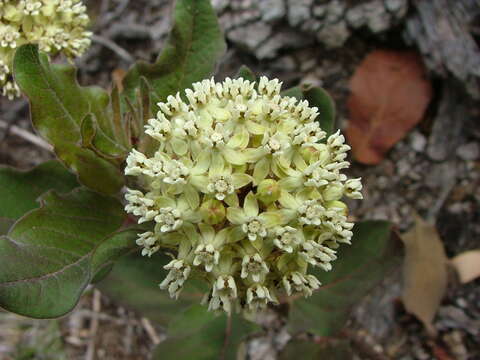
(235, 157)
(203, 162)
(208, 232)
(205, 119)
(240, 180)
(236, 215)
(191, 194)
(232, 200)
(221, 237)
(182, 203)
(291, 183)
(253, 155)
(173, 238)
(250, 205)
(255, 128)
(200, 182)
(287, 200)
(261, 170)
(240, 139)
(272, 218)
(220, 114)
(236, 234)
(163, 201)
(179, 146)
(217, 165)
(299, 162)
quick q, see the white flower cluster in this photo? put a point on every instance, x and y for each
(247, 187)
(55, 25)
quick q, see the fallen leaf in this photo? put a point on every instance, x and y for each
(424, 272)
(467, 265)
(389, 95)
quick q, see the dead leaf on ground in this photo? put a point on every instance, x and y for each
(389, 95)
(424, 273)
(467, 265)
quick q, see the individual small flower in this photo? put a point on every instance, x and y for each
(311, 212)
(140, 205)
(206, 255)
(254, 267)
(353, 188)
(178, 273)
(149, 241)
(287, 238)
(258, 297)
(223, 293)
(296, 282)
(318, 255)
(168, 219)
(253, 224)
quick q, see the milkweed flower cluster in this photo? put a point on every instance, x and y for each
(55, 25)
(246, 188)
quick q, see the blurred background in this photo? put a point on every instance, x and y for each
(415, 136)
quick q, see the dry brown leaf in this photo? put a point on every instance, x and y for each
(424, 272)
(389, 95)
(467, 265)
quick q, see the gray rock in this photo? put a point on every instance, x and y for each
(272, 10)
(469, 151)
(250, 36)
(285, 63)
(335, 11)
(220, 5)
(378, 19)
(355, 16)
(286, 38)
(418, 141)
(298, 11)
(334, 36)
(397, 7)
(319, 11)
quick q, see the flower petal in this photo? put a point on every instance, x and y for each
(250, 205)
(236, 215)
(240, 180)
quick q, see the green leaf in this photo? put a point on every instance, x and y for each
(359, 267)
(195, 44)
(19, 190)
(5, 225)
(50, 255)
(59, 106)
(320, 98)
(201, 335)
(296, 92)
(134, 282)
(330, 350)
(246, 73)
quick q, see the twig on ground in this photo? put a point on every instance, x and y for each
(121, 52)
(147, 325)
(97, 304)
(26, 135)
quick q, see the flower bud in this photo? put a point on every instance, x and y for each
(268, 191)
(212, 211)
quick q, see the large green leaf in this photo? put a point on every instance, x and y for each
(51, 254)
(201, 335)
(19, 190)
(135, 274)
(246, 73)
(320, 98)
(59, 107)
(359, 267)
(307, 350)
(191, 53)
